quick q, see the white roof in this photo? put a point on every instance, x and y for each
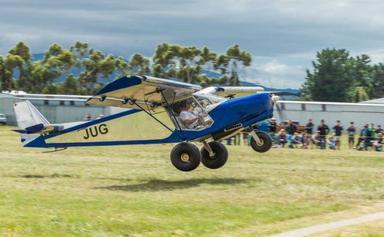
(375, 101)
(365, 103)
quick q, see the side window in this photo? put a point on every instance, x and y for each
(191, 115)
(208, 102)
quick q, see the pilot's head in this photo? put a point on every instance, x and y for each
(185, 105)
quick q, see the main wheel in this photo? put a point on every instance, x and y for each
(265, 142)
(219, 158)
(185, 156)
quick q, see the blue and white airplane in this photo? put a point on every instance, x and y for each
(174, 112)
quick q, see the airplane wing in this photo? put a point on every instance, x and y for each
(142, 92)
(231, 91)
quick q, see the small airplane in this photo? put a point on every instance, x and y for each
(174, 112)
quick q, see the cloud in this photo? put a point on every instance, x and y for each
(277, 32)
(276, 74)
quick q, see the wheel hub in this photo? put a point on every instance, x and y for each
(260, 142)
(184, 157)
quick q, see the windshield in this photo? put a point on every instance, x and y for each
(189, 114)
(208, 102)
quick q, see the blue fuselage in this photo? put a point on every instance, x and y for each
(228, 117)
(240, 112)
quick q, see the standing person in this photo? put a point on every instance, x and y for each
(371, 134)
(323, 131)
(338, 129)
(362, 142)
(308, 130)
(379, 129)
(351, 135)
(273, 129)
(245, 138)
(273, 126)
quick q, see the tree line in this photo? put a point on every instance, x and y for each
(80, 69)
(338, 76)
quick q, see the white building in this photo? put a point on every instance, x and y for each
(359, 113)
(56, 108)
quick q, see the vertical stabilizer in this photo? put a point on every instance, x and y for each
(29, 121)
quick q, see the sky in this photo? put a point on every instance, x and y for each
(282, 36)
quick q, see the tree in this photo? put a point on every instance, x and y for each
(331, 78)
(17, 66)
(81, 69)
(336, 76)
(174, 61)
(71, 86)
(6, 82)
(377, 84)
(96, 67)
(138, 64)
(230, 62)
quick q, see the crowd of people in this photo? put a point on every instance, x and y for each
(294, 135)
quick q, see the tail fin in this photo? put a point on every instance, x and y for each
(29, 121)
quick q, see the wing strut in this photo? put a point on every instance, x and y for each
(171, 110)
(152, 116)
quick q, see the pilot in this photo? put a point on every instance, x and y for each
(189, 119)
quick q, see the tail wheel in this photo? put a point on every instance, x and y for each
(185, 156)
(220, 155)
(264, 143)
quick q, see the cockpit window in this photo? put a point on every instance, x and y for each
(191, 115)
(208, 102)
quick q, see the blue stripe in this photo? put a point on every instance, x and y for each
(40, 142)
(120, 83)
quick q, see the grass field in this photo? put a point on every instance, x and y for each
(135, 191)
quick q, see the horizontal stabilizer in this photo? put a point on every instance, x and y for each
(40, 128)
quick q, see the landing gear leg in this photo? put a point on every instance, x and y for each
(214, 155)
(260, 141)
(208, 148)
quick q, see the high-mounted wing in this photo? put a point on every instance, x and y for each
(142, 92)
(231, 91)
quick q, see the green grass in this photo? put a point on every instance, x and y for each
(135, 191)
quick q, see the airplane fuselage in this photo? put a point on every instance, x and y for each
(229, 117)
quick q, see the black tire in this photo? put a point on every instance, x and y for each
(218, 160)
(265, 144)
(185, 156)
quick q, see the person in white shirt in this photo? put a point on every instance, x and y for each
(189, 119)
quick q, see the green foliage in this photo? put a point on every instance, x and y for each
(230, 62)
(337, 76)
(377, 84)
(19, 72)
